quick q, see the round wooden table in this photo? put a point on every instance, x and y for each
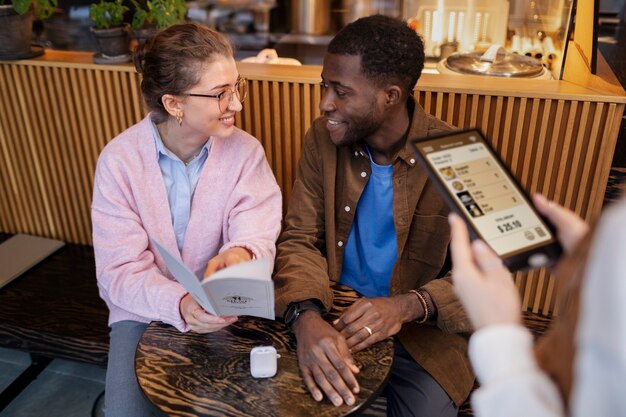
(191, 374)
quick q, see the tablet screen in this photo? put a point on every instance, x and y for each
(483, 190)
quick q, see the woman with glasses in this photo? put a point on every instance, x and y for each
(187, 178)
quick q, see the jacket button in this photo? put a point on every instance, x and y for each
(412, 160)
(340, 243)
(356, 153)
(364, 174)
(347, 208)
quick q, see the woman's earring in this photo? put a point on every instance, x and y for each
(179, 118)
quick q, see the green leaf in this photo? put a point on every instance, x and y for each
(162, 13)
(21, 6)
(107, 14)
(45, 8)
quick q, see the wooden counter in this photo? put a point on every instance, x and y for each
(60, 109)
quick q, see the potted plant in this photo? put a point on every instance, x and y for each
(112, 34)
(16, 26)
(156, 15)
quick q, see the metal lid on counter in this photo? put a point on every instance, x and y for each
(500, 64)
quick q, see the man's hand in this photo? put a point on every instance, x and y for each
(229, 257)
(370, 320)
(324, 360)
(199, 320)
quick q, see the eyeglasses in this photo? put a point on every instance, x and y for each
(226, 97)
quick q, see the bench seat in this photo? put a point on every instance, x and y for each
(54, 310)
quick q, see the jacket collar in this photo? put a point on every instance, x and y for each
(417, 128)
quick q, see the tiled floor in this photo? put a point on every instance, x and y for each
(12, 363)
(63, 389)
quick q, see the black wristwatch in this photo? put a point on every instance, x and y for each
(295, 309)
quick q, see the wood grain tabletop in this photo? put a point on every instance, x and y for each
(191, 374)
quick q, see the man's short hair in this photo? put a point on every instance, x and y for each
(390, 51)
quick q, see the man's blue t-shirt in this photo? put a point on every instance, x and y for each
(372, 250)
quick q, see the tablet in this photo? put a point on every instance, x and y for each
(478, 186)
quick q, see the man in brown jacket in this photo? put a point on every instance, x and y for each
(365, 214)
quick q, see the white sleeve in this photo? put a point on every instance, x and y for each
(511, 382)
(600, 368)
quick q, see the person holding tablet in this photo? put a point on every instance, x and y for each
(579, 366)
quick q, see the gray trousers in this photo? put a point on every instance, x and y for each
(411, 390)
(122, 396)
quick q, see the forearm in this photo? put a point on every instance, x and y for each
(301, 270)
(127, 274)
(511, 382)
(418, 306)
(450, 315)
(412, 307)
(129, 278)
(301, 323)
(300, 275)
(148, 295)
(254, 210)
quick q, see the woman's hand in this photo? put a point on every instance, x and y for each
(229, 257)
(570, 228)
(481, 281)
(199, 320)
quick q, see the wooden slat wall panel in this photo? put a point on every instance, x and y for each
(278, 114)
(55, 119)
(603, 157)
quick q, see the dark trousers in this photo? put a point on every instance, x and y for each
(411, 390)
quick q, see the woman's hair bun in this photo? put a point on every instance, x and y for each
(139, 57)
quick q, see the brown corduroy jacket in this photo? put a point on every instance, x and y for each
(317, 225)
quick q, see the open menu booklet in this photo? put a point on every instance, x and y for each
(245, 289)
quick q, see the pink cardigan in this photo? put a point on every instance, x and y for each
(236, 203)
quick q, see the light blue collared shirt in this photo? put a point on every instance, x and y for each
(180, 182)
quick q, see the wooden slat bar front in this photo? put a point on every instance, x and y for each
(59, 110)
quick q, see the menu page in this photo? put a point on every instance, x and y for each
(482, 188)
